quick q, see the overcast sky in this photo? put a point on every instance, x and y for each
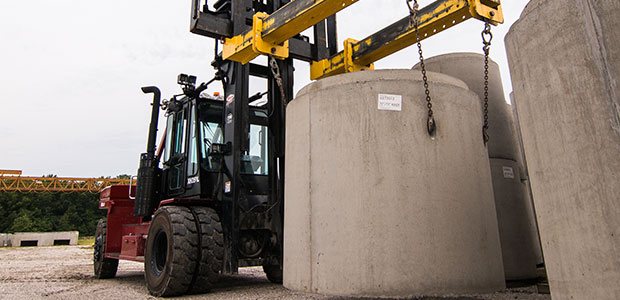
(70, 73)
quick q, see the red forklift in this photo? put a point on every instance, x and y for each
(186, 223)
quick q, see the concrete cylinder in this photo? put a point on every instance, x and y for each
(514, 217)
(375, 207)
(525, 178)
(517, 226)
(564, 58)
(469, 67)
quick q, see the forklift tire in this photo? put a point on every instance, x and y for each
(104, 267)
(171, 252)
(274, 273)
(211, 249)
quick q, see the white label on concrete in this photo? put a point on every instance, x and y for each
(390, 102)
(509, 172)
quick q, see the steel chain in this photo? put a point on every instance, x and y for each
(413, 6)
(275, 70)
(487, 37)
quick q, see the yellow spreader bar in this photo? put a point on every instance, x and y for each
(433, 19)
(270, 33)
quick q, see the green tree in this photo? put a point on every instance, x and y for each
(49, 212)
(23, 223)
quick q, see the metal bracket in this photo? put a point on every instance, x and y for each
(490, 10)
(319, 69)
(244, 48)
(349, 65)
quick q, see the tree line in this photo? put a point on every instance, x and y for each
(42, 212)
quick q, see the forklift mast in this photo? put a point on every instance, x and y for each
(228, 18)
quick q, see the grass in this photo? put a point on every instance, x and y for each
(86, 241)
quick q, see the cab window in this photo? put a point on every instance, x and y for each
(256, 160)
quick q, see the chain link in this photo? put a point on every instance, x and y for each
(275, 70)
(415, 22)
(487, 37)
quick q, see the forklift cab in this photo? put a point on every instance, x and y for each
(193, 163)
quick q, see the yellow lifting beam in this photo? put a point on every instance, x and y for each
(433, 19)
(270, 33)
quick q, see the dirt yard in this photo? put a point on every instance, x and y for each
(65, 272)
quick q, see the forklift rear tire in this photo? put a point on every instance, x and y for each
(171, 252)
(273, 272)
(104, 267)
(211, 247)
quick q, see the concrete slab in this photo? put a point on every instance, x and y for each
(34, 239)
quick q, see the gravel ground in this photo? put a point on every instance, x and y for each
(65, 272)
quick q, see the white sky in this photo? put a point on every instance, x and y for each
(71, 72)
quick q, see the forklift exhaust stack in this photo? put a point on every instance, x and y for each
(149, 172)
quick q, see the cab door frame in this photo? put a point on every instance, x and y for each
(175, 155)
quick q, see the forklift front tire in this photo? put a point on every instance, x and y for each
(170, 258)
(211, 247)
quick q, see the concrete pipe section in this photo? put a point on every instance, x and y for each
(525, 179)
(564, 57)
(469, 67)
(516, 222)
(375, 207)
(520, 245)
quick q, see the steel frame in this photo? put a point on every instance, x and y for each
(273, 34)
(432, 19)
(56, 184)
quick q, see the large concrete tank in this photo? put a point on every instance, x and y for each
(517, 226)
(469, 67)
(516, 222)
(564, 57)
(525, 178)
(375, 207)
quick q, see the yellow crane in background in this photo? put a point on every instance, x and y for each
(13, 181)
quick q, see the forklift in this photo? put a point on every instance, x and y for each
(209, 198)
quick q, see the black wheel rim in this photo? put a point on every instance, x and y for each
(160, 252)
